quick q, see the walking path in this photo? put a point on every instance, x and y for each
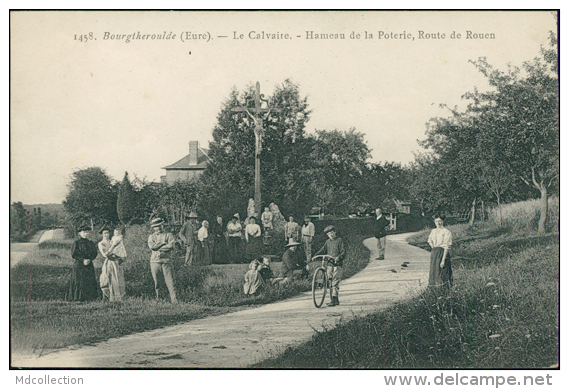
(242, 338)
(20, 250)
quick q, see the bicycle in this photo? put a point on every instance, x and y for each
(320, 281)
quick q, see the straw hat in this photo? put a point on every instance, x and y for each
(156, 222)
(292, 242)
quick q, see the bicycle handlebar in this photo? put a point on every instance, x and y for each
(323, 256)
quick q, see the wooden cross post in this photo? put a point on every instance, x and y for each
(256, 113)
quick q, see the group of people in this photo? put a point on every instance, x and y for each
(205, 245)
(83, 284)
(296, 259)
(238, 241)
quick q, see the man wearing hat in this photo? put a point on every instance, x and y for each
(189, 235)
(293, 260)
(161, 243)
(83, 284)
(334, 247)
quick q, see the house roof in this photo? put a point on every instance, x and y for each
(184, 163)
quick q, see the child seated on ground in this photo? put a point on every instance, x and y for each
(259, 274)
(267, 273)
(253, 279)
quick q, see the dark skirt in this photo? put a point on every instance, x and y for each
(253, 248)
(204, 253)
(219, 251)
(440, 277)
(83, 284)
(234, 243)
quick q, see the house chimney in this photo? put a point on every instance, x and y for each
(194, 152)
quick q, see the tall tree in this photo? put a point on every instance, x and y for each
(126, 201)
(227, 182)
(91, 197)
(338, 160)
(382, 184)
(177, 200)
(453, 141)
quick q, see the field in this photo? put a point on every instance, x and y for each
(503, 311)
(41, 320)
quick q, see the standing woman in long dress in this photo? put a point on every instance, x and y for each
(112, 274)
(204, 244)
(83, 283)
(253, 239)
(440, 240)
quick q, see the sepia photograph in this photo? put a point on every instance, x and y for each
(265, 190)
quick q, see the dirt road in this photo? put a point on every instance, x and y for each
(239, 339)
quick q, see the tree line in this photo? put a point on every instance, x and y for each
(504, 146)
(26, 220)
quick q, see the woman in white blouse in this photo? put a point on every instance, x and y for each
(204, 244)
(440, 240)
(253, 239)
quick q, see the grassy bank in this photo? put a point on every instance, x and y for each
(502, 312)
(524, 215)
(40, 319)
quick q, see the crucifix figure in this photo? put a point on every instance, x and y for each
(257, 114)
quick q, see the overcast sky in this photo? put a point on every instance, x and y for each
(134, 106)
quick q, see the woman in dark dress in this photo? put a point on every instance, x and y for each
(219, 251)
(83, 284)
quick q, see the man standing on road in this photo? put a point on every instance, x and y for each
(189, 235)
(381, 225)
(162, 243)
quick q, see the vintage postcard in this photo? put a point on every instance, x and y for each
(173, 175)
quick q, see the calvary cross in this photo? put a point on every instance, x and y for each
(255, 114)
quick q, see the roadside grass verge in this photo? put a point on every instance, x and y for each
(40, 326)
(503, 312)
(40, 319)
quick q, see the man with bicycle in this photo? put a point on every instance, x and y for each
(334, 247)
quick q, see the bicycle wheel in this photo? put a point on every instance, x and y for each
(319, 287)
